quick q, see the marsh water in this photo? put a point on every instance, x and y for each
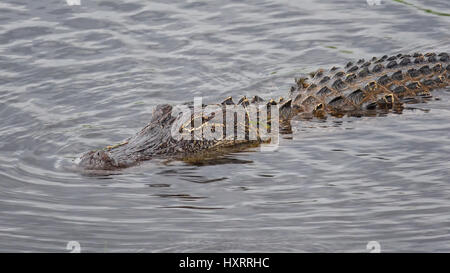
(80, 77)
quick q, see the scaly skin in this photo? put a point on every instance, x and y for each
(360, 88)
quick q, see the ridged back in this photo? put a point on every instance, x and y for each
(365, 85)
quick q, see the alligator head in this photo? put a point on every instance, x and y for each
(153, 139)
(175, 134)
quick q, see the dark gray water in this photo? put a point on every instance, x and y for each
(75, 78)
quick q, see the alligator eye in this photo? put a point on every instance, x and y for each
(318, 107)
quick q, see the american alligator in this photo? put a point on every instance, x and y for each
(359, 88)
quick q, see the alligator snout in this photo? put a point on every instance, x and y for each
(97, 160)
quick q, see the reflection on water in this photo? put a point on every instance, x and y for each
(76, 78)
